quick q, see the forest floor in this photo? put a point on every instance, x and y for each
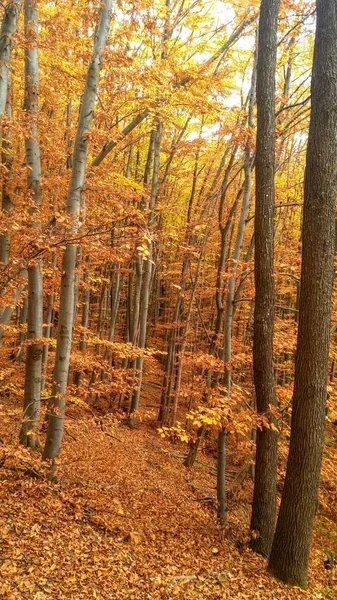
(127, 521)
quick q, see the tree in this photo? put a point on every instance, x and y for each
(32, 392)
(77, 180)
(290, 551)
(264, 499)
(8, 27)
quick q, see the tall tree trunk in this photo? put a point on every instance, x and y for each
(49, 311)
(229, 308)
(32, 392)
(171, 350)
(77, 180)
(264, 498)
(290, 551)
(8, 27)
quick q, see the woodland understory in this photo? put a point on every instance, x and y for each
(168, 322)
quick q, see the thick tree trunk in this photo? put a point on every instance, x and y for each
(290, 551)
(64, 336)
(264, 498)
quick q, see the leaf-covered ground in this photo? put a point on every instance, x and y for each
(128, 521)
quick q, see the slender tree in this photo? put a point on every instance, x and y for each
(77, 180)
(229, 307)
(32, 393)
(264, 499)
(147, 277)
(290, 551)
(8, 27)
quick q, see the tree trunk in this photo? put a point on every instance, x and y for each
(229, 310)
(221, 476)
(264, 498)
(77, 180)
(8, 27)
(147, 278)
(7, 160)
(32, 392)
(48, 328)
(84, 317)
(290, 551)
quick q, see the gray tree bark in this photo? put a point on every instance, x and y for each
(8, 27)
(32, 391)
(77, 181)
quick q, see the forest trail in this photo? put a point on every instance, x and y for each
(127, 521)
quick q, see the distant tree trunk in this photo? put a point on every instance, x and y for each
(165, 401)
(32, 392)
(48, 328)
(147, 277)
(290, 551)
(84, 317)
(77, 181)
(191, 239)
(6, 159)
(115, 295)
(187, 319)
(264, 498)
(229, 308)
(135, 290)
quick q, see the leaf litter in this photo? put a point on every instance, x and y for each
(127, 521)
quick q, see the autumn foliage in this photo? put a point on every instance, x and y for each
(160, 334)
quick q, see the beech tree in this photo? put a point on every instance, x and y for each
(291, 545)
(8, 27)
(77, 180)
(32, 393)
